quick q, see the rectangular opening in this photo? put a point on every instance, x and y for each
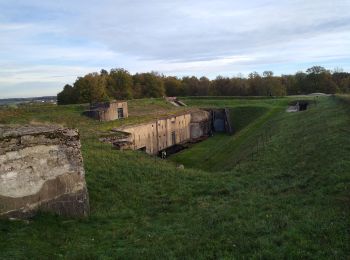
(120, 113)
(173, 137)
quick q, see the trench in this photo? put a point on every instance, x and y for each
(219, 123)
(224, 151)
(153, 137)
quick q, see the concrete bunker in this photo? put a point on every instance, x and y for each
(297, 106)
(170, 133)
(41, 168)
(108, 111)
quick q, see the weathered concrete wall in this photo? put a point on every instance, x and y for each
(176, 125)
(143, 136)
(41, 168)
(165, 132)
(111, 113)
(200, 124)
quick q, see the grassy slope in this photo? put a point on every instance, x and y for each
(291, 201)
(240, 117)
(222, 151)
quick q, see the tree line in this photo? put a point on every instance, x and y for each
(120, 84)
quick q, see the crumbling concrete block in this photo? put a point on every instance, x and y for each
(41, 168)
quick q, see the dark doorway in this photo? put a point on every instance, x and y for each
(219, 118)
(120, 113)
(173, 137)
(219, 125)
(303, 106)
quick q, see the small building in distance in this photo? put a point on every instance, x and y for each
(108, 111)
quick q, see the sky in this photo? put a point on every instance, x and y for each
(47, 44)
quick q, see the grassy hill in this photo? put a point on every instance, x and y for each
(222, 151)
(287, 196)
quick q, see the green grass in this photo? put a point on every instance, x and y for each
(240, 117)
(222, 151)
(291, 200)
(233, 102)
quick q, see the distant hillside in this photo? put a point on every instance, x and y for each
(10, 101)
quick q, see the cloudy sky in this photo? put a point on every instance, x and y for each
(46, 44)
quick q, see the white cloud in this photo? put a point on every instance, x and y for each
(56, 41)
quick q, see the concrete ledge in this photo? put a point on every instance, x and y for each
(41, 168)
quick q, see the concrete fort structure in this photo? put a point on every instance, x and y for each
(162, 133)
(41, 168)
(108, 111)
